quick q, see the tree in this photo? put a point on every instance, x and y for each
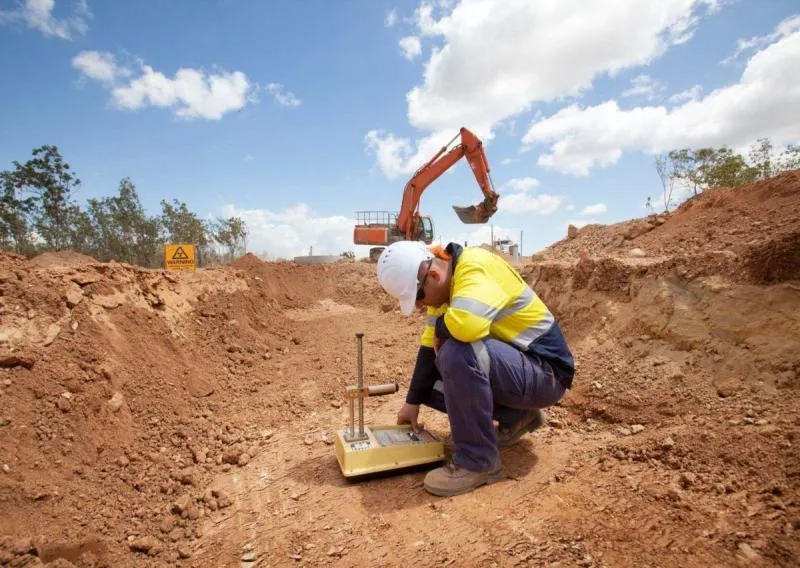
(665, 168)
(47, 214)
(761, 158)
(122, 230)
(789, 158)
(691, 167)
(50, 179)
(179, 225)
(231, 234)
(726, 169)
(15, 232)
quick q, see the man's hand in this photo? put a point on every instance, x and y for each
(437, 344)
(408, 415)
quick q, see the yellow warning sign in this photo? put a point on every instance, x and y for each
(180, 257)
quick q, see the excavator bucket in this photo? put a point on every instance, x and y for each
(474, 214)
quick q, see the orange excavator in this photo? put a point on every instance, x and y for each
(382, 228)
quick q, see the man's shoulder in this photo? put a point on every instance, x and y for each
(437, 311)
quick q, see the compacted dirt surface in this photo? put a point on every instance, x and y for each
(153, 418)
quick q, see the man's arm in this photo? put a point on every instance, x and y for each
(425, 374)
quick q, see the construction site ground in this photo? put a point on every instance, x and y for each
(154, 418)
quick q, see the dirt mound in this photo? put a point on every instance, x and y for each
(734, 220)
(152, 418)
(62, 258)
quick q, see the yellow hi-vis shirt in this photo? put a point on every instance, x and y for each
(488, 298)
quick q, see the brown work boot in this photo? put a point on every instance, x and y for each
(451, 479)
(530, 422)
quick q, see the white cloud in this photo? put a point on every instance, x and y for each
(526, 52)
(38, 14)
(191, 93)
(763, 103)
(689, 94)
(100, 66)
(294, 231)
(508, 161)
(392, 152)
(410, 47)
(570, 207)
(283, 98)
(522, 184)
(594, 209)
(785, 28)
(643, 86)
(524, 203)
(390, 19)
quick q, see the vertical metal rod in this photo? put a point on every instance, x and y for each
(352, 419)
(359, 337)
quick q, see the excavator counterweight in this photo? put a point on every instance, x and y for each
(381, 228)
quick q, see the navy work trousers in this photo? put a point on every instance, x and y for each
(485, 380)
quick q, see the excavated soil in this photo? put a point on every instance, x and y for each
(152, 418)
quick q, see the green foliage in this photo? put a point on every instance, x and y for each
(37, 204)
(38, 214)
(231, 234)
(704, 168)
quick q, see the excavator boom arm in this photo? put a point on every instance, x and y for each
(472, 148)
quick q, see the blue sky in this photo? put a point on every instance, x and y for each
(295, 114)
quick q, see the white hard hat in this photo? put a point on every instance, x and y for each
(398, 266)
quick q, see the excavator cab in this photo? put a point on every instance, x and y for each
(426, 229)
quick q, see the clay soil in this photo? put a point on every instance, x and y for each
(153, 418)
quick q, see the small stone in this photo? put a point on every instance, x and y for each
(149, 544)
(336, 404)
(6, 468)
(181, 504)
(231, 456)
(572, 232)
(674, 493)
(667, 443)
(243, 460)
(183, 551)
(185, 476)
(747, 551)
(52, 333)
(73, 296)
(636, 253)
(636, 428)
(64, 405)
(115, 403)
(199, 455)
(687, 479)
